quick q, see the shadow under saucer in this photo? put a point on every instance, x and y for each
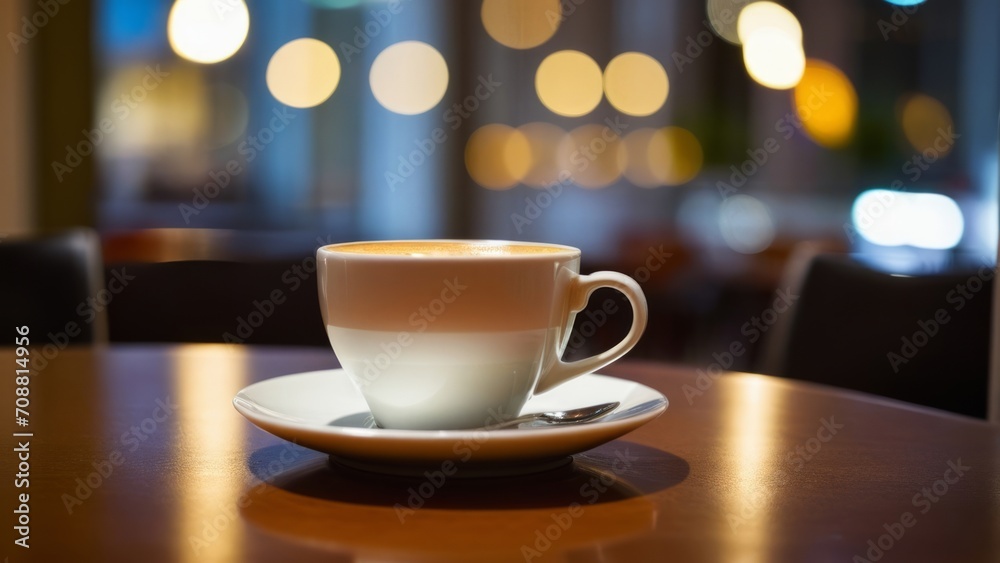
(601, 497)
(614, 471)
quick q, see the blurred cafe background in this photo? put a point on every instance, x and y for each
(703, 147)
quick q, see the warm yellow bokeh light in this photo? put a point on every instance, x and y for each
(592, 155)
(303, 73)
(409, 77)
(760, 16)
(635, 84)
(172, 116)
(927, 124)
(569, 83)
(207, 31)
(521, 24)
(675, 156)
(637, 158)
(774, 59)
(826, 103)
(497, 156)
(544, 140)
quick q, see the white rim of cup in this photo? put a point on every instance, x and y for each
(565, 250)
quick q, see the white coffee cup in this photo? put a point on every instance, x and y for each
(448, 334)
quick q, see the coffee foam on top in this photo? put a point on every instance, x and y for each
(432, 249)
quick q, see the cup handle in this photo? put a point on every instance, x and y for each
(579, 293)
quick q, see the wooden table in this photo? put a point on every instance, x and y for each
(138, 455)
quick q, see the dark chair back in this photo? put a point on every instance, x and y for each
(267, 302)
(920, 339)
(54, 286)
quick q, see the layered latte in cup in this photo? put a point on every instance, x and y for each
(458, 334)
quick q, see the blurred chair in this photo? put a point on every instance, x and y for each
(917, 339)
(994, 391)
(215, 285)
(260, 302)
(994, 396)
(55, 286)
(167, 245)
(164, 245)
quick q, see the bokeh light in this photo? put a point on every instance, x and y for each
(303, 73)
(521, 24)
(544, 140)
(772, 45)
(592, 155)
(826, 103)
(774, 59)
(905, 2)
(675, 156)
(497, 156)
(723, 16)
(769, 17)
(638, 159)
(927, 124)
(207, 31)
(569, 83)
(635, 84)
(894, 218)
(670, 156)
(173, 116)
(409, 77)
(746, 224)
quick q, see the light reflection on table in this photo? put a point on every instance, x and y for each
(203, 383)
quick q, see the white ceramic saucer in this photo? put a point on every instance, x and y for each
(324, 411)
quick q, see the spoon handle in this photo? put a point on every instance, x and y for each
(517, 421)
(560, 418)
